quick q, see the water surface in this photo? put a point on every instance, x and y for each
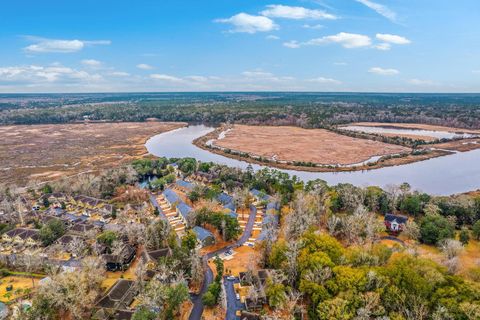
(446, 175)
(406, 131)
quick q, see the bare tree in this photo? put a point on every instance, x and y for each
(77, 247)
(412, 230)
(451, 248)
(304, 212)
(196, 265)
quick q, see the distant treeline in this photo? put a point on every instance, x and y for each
(309, 110)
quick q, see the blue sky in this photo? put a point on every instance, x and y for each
(238, 45)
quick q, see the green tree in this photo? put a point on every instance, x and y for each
(434, 228)
(476, 230)
(219, 267)
(46, 202)
(51, 231)
(47, 189)
(176, 295)
(189, 241)
(107, 238)
(276, 294)
(464, 236)
(209, 299)
(143, 313)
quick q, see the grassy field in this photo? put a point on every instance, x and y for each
(418, 126)
(307, 145)
(46, 152)
(19, 283)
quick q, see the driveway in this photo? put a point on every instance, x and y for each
(232, 303)
(197, 310)
(154, 202)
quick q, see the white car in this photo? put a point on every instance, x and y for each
(237, 296)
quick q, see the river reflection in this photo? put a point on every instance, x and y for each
(446, 175)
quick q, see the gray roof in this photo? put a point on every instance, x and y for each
(202, 233)
(184, 209)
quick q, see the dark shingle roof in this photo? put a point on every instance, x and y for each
(119, 296)
(399, 218)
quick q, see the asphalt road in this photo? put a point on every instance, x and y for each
(197, 309)
(232, 303)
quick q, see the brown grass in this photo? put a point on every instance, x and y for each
(17, 283)
(244, 258)
(415, 126)
(47, 152)
(308, 145)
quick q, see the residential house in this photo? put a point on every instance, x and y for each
(171, 197)
(120, 296)
(395, 223)
(184, 186)
(224, 198)
(88, 202)
(269, 220)
(151, 256)
(204, 237)
(29, 237)
(121, 260)
(68, 241)
(183, 210)
(259, 196)
(82, 228)
(203, 177)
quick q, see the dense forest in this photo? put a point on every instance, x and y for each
(308, 110)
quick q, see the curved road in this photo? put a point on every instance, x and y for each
(197, 309)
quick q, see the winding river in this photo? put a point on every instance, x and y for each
(446, 175)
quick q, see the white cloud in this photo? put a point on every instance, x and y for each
(260, 75)
(197, 78)
(347, 40)
(380, 9)
(120, 74)
(325, 80)
(44, 45)
(392, 38)
(339, 63)
(384, 72)
(247, 23)
(313, 26)
(165, 77)
(257, 74)
(383, 46)
(292, 44)
(272, 37)
(144, 66)
(296, 13)
(52, 73)
(91, 63)
(420, 82)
